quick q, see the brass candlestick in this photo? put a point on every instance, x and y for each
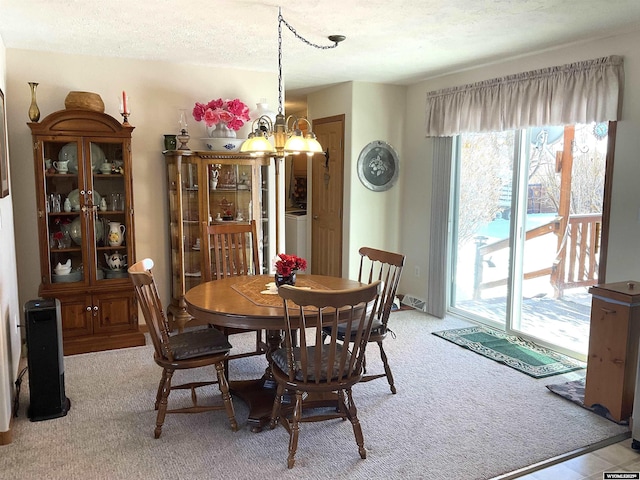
(125, 116)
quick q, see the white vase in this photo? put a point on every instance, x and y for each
(221, 130)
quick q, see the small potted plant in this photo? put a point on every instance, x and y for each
(286, 267)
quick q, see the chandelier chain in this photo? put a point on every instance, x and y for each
(281, 20)
(300, 37)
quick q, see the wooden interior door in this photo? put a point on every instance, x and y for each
(327, 182)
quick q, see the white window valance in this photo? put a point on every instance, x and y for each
(581, 92)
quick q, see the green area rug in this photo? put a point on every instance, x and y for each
(513, 351)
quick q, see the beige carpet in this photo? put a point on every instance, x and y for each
(456, 415)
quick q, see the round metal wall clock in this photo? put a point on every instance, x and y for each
(378, 166)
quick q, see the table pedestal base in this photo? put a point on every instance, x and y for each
(258, 395)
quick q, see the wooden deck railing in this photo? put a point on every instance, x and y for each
(576, 262)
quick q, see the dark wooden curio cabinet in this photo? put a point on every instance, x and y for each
(86, 234)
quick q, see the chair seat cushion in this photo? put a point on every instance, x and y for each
(376, 328)
(198, 343)
(279, 357)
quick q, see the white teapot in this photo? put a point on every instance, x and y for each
(116, 261)
(63, 269)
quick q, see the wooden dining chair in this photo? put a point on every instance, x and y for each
(386, 266)
(230, 250)
(306, 366)
(180, 351)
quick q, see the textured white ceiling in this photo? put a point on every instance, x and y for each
(390, 41)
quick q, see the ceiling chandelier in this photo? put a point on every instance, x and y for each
(286, 132)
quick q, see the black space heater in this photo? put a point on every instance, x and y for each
(45, 360)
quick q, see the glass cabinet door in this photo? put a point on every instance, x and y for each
(185, 224)
(108, 213)
(62, 205)
(86, 219)
(191, 224)
(230, 193)
(230, 197)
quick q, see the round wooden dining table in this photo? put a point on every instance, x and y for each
(246, 302)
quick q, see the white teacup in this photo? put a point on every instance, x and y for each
(62, 166)
(106, 167)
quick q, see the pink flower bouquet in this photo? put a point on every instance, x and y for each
(232, 112)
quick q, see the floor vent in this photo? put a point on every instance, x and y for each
(414, 302)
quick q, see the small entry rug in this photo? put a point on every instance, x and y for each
(574, 392)
(513, 351)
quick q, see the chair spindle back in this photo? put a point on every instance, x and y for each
(151, 306)
(386, 266)
(229, 250)
(315, 309)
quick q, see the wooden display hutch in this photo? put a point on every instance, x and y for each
(214, 187)
(78, 209)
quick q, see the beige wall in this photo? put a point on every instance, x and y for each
(372, 112)
(378, 114)
(623, 259)
(156, 92)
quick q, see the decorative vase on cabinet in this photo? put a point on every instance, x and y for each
(199, 194)
(34, 110)
(98, 306)
(221, 130)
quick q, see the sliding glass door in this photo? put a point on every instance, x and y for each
(483, 177)
(526, 217)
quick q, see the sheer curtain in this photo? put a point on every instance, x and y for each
(581, 92)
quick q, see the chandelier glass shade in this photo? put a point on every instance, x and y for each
(287, 135)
